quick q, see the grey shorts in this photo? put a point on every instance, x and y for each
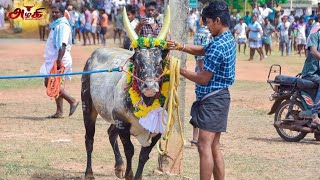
(211, 114)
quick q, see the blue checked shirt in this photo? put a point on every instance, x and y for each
(220, 59)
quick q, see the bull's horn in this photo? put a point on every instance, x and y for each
(130, 31)
(166, 24)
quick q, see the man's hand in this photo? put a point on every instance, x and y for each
(58, 65)
(142, 22)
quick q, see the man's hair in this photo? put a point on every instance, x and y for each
(58, 6)
(217, 9)
(204, 21)
(131, 9)
(151, 3)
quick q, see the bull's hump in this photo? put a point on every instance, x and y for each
(105, 58)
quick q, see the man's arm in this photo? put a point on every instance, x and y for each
(201, 77)
(62, 50)
(188, 48)
(314, 52)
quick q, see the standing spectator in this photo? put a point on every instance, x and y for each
(95, 31)
(87, 27)
(210, 111)
(272, 16)
(309, 27)
(191, 20)
(281, 15)
(240, 30)
(201, 38)
(283, 27)
(58, 48)
(267, 29)
(292, 17)
(305, 16)
(265, 12)
(104, 25)
(131, 13)
(108, 9)
(293, 34)
(247, 18)
(2, 18)
(74, 16)
(118, 28)
(278, 7)
(233, 22)
(318, 9)
(255, 42)
(82, 24)
(238, 16)
(142, 9)
(148, 26)
(301, 27)
(313, 15)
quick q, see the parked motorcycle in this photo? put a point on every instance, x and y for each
(291, 96)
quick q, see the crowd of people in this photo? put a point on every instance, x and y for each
(267, 23)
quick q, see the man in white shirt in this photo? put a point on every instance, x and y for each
(240, 30)
(283, 27)
(57, 49)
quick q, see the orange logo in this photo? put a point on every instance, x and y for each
(26, 13)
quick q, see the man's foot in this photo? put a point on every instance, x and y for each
(193, 143)
(55, 116)
(73, 108)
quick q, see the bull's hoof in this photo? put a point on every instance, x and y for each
(89, 175)
(129, 176)
(119, 171)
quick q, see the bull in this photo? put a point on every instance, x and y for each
(105, 94)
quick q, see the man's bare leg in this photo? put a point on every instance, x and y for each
(218, 169)
(72, 101)
(205, 143)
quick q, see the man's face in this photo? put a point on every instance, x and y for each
(56, 14)
(150, 11)
(254, 18)
(213, 26)
(266, 21)
(130, 16)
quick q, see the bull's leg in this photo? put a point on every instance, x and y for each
(113, 133)
(144, 156)
(89, 115)
(128, 149)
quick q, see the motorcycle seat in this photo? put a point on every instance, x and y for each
(291, 81)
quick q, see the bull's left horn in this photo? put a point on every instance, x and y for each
(130, 31)
(166, 24)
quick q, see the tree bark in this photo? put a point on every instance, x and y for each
(178, 32)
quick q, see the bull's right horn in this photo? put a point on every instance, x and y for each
(130, 31)
(166, 24)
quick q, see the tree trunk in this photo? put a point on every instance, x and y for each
(178, 32)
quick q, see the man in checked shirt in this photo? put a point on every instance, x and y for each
(149, 26)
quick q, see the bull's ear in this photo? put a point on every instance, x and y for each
(165, 52)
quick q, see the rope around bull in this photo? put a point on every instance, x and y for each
(172, 106)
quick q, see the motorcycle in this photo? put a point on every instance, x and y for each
(292, 95)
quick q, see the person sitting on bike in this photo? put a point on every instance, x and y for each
(311, 71)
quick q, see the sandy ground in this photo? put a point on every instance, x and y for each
(33, 147)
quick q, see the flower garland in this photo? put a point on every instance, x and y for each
(149, 42)
(140, 108)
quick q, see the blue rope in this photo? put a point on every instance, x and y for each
(118, 69)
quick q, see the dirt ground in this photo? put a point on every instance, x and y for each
(33, 147)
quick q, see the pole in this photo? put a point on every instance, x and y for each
(290, 5)
(245, 7)
(178, 32)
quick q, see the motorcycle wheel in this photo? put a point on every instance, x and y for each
(286, 134)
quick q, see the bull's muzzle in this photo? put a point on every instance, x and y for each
(150, 87)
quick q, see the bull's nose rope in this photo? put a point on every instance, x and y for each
(172, 106)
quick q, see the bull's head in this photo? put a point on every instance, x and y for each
(148, 59)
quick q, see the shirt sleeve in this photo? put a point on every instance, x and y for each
(66, 34)
(213, 58)
(313, 40)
